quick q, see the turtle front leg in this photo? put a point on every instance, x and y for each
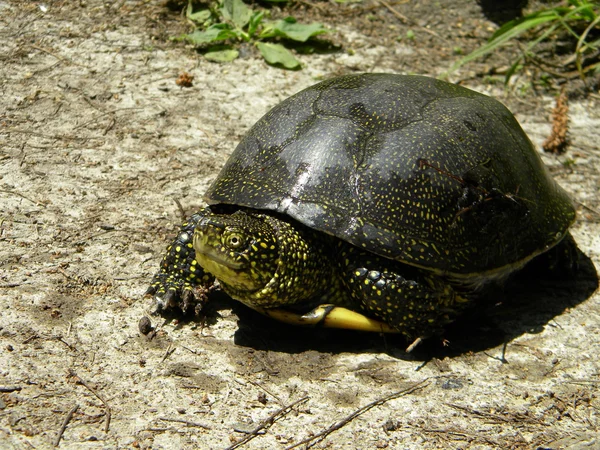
(414, 302)
(180, 281)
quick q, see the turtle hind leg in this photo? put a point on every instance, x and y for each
(561, 261)
(565, 256)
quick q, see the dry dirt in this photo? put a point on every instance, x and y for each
(97, 143)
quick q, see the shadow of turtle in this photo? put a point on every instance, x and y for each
(529, 301)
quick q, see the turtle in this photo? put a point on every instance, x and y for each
(376, 202)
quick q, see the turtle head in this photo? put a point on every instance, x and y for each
(239, 249)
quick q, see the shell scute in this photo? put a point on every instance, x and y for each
(411, 168)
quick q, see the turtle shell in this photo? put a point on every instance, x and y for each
(408, 167)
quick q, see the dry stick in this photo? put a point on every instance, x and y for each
(336, 426)
(468, 437)
(10, 388)
(103, 114)
(52, 136)
(589, 208)
(187, 422)
(267, 423)
(59, 57)
(106, 407)
(495, 417)
(406, 20)
(402, 17)
(63, 427)
(582, 382)
(18, 194)
(254, 383)
(169, 352)
(412, 346)
(182, 213)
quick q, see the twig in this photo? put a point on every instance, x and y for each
(61, 58)
(79, 380)
(106, 113)
(10, 388)
(501, 358)
(254, 383)
(336, 426)
(402, 17)
(495, 417)
(412, 346)
(466, 436)
(406, 20)
(52, 136)
(187, 422)
(18, 194)
(267, 423)
(44, 69)
(589, 208)
(180, 208)
(583, 382)
(61, 340)
(169, 352)
(63, 427)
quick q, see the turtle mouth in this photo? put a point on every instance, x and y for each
(215, 259)
(233, 248)
(203, 253)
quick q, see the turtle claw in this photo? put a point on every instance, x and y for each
(187, 300)
(170, 299)
(156, 307)
(150, 291)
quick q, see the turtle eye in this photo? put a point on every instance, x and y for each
(233, 240)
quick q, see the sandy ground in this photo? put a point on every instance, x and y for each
(97, 142)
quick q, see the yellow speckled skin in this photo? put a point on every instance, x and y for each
(271, 263)
(395, 196)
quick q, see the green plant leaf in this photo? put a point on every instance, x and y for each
(507, 32)
(544, 23)
(222, 55)
(522, 24)
(585, 8)
(237, 12)
(198, 17)
(254, 23)
(214, 33)
(277, 54)
(289, 28)
(515, 66)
